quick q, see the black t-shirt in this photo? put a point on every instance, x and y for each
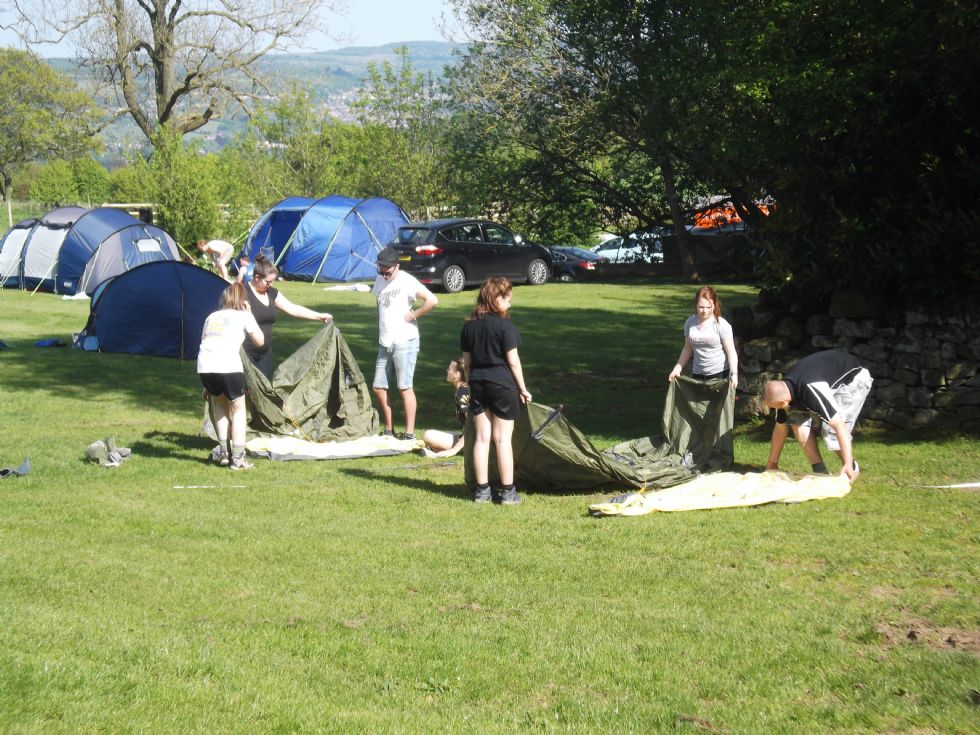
(265, 315)
(813, 380)
(488, 340)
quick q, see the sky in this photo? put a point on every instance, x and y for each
(366, 23)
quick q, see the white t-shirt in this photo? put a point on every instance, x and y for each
(709, 355)
(224, 333)
(396, 298)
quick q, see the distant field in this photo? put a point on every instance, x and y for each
(371, 595)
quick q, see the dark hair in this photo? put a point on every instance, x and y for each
(708, 293)
(459, 366)
(486, 301)
(264, 268)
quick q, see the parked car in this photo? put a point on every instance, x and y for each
(645, 247)
(573, 264)
(454, 253)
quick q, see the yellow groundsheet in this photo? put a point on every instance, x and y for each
(727, 490)
(290, 448)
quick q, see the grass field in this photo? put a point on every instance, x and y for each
(372, 596)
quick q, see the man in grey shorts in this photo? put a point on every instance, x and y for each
(828, 386)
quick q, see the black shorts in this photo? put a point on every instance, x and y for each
(500, 400)
(230, 385)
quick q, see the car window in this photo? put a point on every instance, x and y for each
(411, 235)
(464, 233)
(558, 257)
(498, 235)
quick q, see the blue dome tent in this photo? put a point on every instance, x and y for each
(82, 241)
(154, 309)
(121, 251)
(331, 239)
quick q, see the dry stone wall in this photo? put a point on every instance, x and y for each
(924, 362)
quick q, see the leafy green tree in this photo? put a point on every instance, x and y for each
(43, 115)
(127, 184)
(183, 184)
(54, 184)
(91, 181)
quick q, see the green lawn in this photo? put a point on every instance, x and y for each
(371, 596)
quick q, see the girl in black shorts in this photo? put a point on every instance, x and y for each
(489, 342)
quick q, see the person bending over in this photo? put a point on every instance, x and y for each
(823, 392)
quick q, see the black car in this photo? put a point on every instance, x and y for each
(454, 253)
(575, 264)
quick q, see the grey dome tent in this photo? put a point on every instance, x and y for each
(38, 258)
(11, 248)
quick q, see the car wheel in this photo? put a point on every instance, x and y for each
(453, 279)
(537, 272)
(565, 278)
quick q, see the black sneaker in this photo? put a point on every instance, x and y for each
(482, 494)
(508, 496)
(409, 435)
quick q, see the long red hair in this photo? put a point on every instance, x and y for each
(490, 293)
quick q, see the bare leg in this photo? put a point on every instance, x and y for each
(411, 404)
(385, 404)
(503, 429)
(220, 404)
(808, 440)
(438, 441)
(238, 417)
(481, 447)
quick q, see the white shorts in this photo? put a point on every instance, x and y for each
(849, 398)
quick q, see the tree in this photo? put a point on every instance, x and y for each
(91, 180)
(174, 63)
(42, 115)
(54, 184)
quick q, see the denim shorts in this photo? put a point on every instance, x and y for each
(396, 364)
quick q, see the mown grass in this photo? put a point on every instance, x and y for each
(371, 596)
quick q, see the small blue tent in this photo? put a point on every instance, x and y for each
(83, 240)
(121, 251)
(331, 239)
(154, 309)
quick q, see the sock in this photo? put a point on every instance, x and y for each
(238, 451)
(820, 468)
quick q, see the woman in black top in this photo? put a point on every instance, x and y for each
(493, 370)
(448, 443)
(264, 300)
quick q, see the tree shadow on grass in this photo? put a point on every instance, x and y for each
(174, 445)
(457, 492)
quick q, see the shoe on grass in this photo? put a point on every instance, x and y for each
(240, 463)
(482, 494)
(508, 496)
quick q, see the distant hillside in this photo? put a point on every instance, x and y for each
(332, 76)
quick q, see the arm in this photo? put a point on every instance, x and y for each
(514, 362)
(300, 312)
(429, 302)
(682, 360)
(846, 448)
(729, 346)
(779, 434)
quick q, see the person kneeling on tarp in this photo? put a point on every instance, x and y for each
(830, 386)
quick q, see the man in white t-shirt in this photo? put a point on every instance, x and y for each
(397, 294)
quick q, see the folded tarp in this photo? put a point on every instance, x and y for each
(286, 448)
(727, 490)
(317, 394)
(551, 454)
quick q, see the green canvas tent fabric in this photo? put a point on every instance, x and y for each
(550, 454)
(318, 394)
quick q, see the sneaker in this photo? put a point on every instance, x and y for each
(388, 432)
(409, 435)
(240, 463)
(219, 455)
(482, 494)
(508, 496)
